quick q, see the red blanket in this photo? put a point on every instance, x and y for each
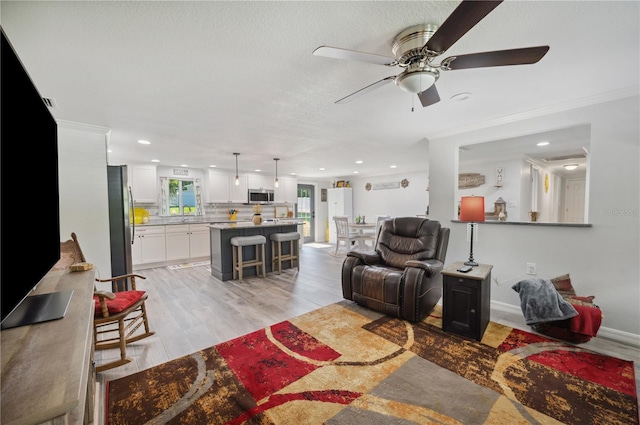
(587, 322)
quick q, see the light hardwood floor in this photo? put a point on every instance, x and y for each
(191, 310)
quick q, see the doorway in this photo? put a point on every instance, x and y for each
(574, 196)
(306, 212)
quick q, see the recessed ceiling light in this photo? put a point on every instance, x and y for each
(155, 160)
(322, 168)
(212, 166)
(393, 166)
(183, 165)
(109, 150)
(144, 142)
(257, 170)
(293, 174)
(542, 144)
(355, 172)
(359, 162)
(461, 96)
(571, 166)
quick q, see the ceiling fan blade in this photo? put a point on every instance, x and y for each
(337, 53)
(461, 20)
(365, 90)
(524, 56)
(429, 96)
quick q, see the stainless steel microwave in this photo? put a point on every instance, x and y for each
(260, 196)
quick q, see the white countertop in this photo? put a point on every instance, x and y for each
(245, 224)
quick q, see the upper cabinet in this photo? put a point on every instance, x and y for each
(287, 190)
(144, 183)
(239, 193)
(221, 187)
(218, 186)
(259, 181)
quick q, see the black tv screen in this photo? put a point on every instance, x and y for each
(28, 183)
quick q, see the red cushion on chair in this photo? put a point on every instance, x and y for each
(122, 301)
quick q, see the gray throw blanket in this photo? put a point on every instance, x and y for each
(540, 302)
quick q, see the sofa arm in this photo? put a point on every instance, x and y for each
(432, 267)
(367, 257)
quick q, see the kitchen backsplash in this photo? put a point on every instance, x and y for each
(220, 212)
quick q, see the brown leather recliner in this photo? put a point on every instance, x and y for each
(401, 278)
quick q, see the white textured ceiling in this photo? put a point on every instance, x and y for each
(202, 80)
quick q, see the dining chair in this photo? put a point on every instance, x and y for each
(344, 232)
(372, 236)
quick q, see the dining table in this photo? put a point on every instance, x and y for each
(363, 235)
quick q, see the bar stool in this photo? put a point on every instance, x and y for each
(277, 255)
(239, 263)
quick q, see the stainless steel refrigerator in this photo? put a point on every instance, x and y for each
(121, 228)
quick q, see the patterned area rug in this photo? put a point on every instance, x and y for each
(342, 364)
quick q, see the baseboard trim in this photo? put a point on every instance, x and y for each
(622, 337)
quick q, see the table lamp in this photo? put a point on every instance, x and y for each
(472, 211)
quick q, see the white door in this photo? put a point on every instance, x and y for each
(574, 201)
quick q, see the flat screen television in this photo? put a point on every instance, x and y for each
(29, 197)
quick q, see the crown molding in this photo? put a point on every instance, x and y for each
(547, 110)
(72, 125)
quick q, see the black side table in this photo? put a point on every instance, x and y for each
(466, 300)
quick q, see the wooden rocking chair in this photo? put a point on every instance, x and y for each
(118, 314)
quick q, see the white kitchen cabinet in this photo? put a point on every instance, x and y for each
(238, 194)
(177, 241)
(260, 181)
(144, 183)
(218, 186)
(340, 202)
(148, 245)
(199, 240)
(221, 187)
(287, 190)
(185, 241)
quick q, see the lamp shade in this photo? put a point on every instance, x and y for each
(472, 208)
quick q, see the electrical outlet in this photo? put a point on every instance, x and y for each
(531, 268)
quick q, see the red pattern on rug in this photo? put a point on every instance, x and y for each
(607, 371)
(263, 368)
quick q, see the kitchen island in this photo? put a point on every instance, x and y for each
(220, 240)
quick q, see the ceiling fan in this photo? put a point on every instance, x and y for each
(416, 48)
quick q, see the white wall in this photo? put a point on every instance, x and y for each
(84, 202)
(603, 259)
(401, 202)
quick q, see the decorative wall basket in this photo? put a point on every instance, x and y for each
(469, 180)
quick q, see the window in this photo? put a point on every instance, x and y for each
(182, 197)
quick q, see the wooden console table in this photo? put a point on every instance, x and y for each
(48, 374)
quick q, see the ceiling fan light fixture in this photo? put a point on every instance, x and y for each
(416, 81)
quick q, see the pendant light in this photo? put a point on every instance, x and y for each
(237, 178)
(275, 183)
